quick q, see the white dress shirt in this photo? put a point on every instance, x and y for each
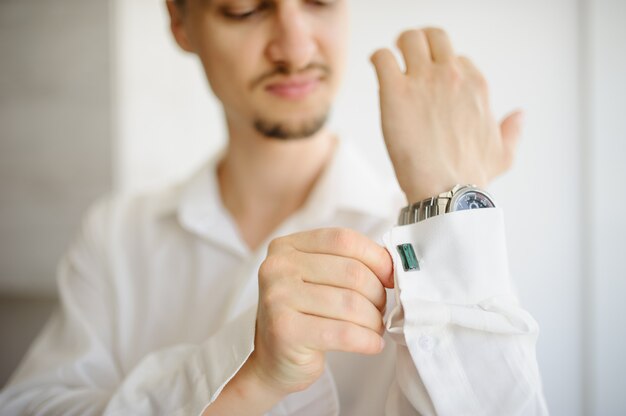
(158, 297)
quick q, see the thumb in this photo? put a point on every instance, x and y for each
(511, 131)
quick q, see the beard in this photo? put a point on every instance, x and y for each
(288, 131)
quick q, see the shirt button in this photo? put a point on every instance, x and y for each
(426, 343)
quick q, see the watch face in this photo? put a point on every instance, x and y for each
(472, 200)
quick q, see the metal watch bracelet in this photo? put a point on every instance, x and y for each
(428, 207)
(422, 210)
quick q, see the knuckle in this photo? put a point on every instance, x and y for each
(451, 73)
(374, 321)
(274, 295)
(350, 303)
(278, 264)
(355, 274)
(276, 244)
(379, 297)
(379, 326)
(340, 238)
(346, 337)
(270, 265)
(275, 274)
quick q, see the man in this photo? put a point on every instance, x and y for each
(257, 286)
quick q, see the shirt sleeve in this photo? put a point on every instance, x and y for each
(73, 367)
(464, 344)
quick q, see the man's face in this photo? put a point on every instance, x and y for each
(274, 64)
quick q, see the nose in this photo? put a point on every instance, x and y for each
(292, 44)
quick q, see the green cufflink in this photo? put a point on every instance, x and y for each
(407, 254)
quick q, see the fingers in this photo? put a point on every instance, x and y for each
(323, 334)
(348, 243)
(386, 65)
(341, 272)
(441, 48)
(415, 50)
(339, 304)
(421, 47)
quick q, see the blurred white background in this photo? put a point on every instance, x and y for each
(142, 116)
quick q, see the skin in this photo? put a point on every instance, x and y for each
(263, 181)
(438, 129)
(437, 122)
(241, 56)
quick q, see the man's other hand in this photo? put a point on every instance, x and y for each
(437, 124)
(319, 291)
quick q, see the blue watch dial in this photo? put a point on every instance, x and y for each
(472, 200)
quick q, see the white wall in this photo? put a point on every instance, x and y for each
(536, 57)
(605, 198)
(55, 149)
(166, 120)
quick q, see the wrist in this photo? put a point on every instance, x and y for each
(247, 393)
(255, 375)
(430, 187)
(429, 179)
(420, 193)
(420, 185)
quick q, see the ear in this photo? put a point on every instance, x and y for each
(177, 25)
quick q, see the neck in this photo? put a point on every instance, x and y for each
(263, 181)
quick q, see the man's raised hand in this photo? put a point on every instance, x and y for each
(437, 124)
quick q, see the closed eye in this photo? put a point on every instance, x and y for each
(322, 2)
(245, 14)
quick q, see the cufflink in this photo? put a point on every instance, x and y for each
(407, 255)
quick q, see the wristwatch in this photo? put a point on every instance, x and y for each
(460, 198)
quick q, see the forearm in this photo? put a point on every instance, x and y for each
(245, 394)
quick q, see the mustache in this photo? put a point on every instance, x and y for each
(284, 70)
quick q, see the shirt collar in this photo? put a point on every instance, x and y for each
(349, 184)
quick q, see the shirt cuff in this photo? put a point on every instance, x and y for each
(224, 354)
(461, 256)
(461, 260)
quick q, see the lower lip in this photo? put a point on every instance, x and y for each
(293, 92)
